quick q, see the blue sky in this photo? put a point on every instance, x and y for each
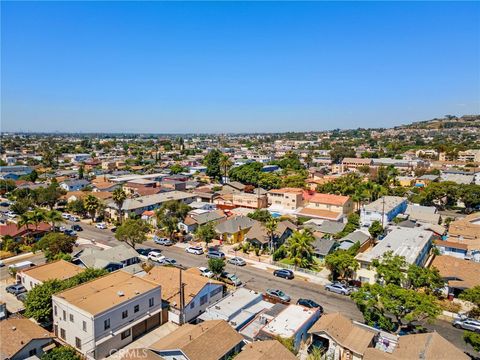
(236, 66)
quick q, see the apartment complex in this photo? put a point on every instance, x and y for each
(105, 314)
(384, 209)
(285, 200)
(327, 207)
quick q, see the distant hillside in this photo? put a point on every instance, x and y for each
(449, 121)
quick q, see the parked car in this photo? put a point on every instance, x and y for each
(284, 273)
(309, 303)
(114, 229)
(70, 232)
(231, 279)
(237, 261)
(214, 254)
(205, 272)
(467, 324)
(2, 264)
(66, 216)
(76, 227)
(277, 296)
(338, 288)
(145, 251)
(16, 289)
(74, 218)
(22, 296)
(10, 214)
(197, 250)
(101, 225)
(162, 241)
(170, 261)
(156, 256)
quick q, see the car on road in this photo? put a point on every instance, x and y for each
(205, 272)
(101, 226)
(467, 324)
(76, 227)
(162, 241)
(144, 251)
(170, 261)
(237, 261)
(74, 218)
(70, 232)
(156, 256)
(215, 254)
(230, 279)
(16, 289)
(339, 288)
(284, 273)
(309, 303)
(277, 296)
(197, 250)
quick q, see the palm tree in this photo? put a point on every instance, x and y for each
(38, 216)
(119, 197)
(54, 217)
(300, 249)
(92, 204)
(225, 164)
(271, 226)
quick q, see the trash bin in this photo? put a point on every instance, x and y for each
(450, 296)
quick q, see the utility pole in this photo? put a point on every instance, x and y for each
(182, 299)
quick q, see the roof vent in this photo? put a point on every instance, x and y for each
(14, 328)
(120, 293)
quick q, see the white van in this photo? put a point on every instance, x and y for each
(14, 268)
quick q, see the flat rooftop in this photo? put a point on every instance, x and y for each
(289, 321)
(60, 270)
(106, 292)
(391, 202)
(232, 304)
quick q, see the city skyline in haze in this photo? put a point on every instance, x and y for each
(235, 67)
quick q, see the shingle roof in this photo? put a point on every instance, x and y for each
(355, 236)
(323, 246)
(343, 331)
(96, 258)
(265, 350)
(467, 272)
(17, 333)
(329, 199)
(231, 226)
(209, 340)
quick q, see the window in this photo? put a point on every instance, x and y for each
(150, 302)
(78, 343)
(216, 291)
(106, 324)
(71, 317)
(124, 314)
(62, 333)
(192, 304)
(64, 315)
(55, 310)
(136, 308)
(84, 325)
(203, 299)
(125, 334)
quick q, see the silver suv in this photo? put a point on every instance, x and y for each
(467, 324)
(338, 288)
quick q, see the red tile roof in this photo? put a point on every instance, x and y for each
(329, 199)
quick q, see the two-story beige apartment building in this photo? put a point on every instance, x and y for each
(285, 200)
(105, 314)
(327, 207)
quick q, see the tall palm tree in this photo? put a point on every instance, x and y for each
(92, 204)
(54, 217)
(225, 164)
(271, 226)
(38, 216)
(119, 196)
(300, 249)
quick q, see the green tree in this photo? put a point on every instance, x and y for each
(81, 172)
(261, 215)
(206, 233)
(390, 268)
(216, 266)
(177, 169)
(299, 248)
(342, 264)
(339, 152)
(472, 295)
(61, 353)
(472, 339)
(54, 217)
(375, 229)
(7, 186)
(54, 244)
(132, 232)
(424, 278)
(225, 164)
(295, 181)
(392, 307)
(38, 304)
(77, 207)
(212, 162)
(49, 196)
(119, 196)
(21, 206)
(170, 214)
(271, 226)
(92, 204)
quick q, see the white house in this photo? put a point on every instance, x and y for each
(199, 292)
(74, 185)
(59, 270)
(104, 315)
(383, 210)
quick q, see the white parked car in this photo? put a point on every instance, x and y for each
(10, 214)
(205, 272)
(156, 256)
(66, 216)
(101, 226)
(74, 218)
(197, 250)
